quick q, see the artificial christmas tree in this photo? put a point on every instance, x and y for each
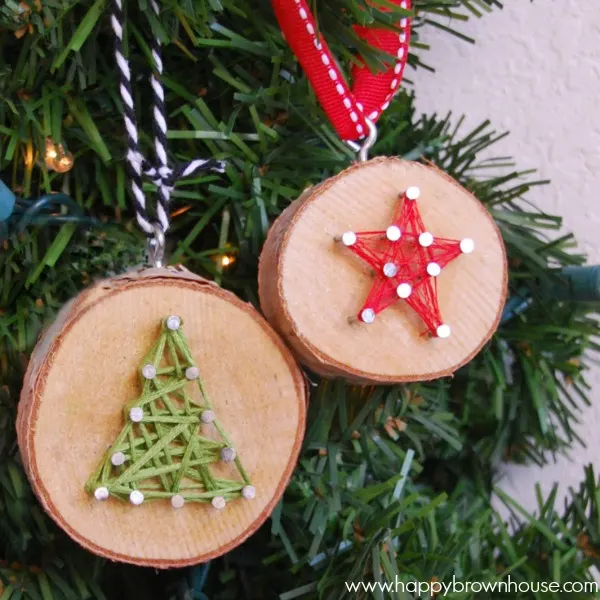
(392, 481)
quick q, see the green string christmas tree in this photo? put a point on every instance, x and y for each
(162, 451)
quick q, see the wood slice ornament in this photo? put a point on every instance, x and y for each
(388, 272)
(177, 404)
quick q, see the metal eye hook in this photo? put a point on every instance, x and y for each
(363, 149)
(156, 246)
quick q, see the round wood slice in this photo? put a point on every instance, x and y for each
(310, 285)
(85, 369)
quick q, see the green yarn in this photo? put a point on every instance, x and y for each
(166, 451)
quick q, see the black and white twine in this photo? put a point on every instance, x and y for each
(160, 173)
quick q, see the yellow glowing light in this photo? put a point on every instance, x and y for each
(51, 151)
(64, 164)
(226, 260)
(29, 156)
(57, 158)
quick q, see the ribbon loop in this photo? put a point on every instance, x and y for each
(347, 109)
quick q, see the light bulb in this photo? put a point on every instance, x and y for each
(51, 153)
(57, 158)
(64, 164)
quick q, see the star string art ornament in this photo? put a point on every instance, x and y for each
(407, 260)
(163, 451)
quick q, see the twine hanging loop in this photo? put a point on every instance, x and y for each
(161, 173)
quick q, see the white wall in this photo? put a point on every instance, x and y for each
(535, 71)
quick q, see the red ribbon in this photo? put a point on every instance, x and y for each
(371, 94)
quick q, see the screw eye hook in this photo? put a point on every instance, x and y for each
(156, 246)
(362, 150)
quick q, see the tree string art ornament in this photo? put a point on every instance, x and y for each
(364, 320)
(162, 451)
(166, 487)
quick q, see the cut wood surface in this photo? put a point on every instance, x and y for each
(85, 369)
(310, 285)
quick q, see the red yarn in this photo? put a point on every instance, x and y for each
(371, 93)
(410, 258)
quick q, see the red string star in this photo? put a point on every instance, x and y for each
(407, 260)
